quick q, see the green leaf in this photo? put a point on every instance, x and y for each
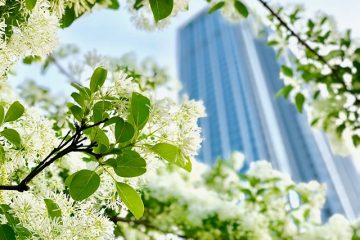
(2, 154)
(114, 5)
(340, 129)
(285, 91)
(287, 71)
(299, 101)
(2, 115)
(112, 120)
(12, 136)
(23, 233)
(77, 112)
(31, 59)
(30, 4)
(272, 43)
(314, 121)
(216, 7)
(140, 109)
(338, 53)
(79, 99)
(15, 111)
(356, 140)
(130, 164)
(161, 8)
(83, 184)
(172, 154)
(97, 79)
(131, 199)
(138, 4)
(68, 17)
(99, 136)
(241, 8)
(68, 180)
(99, 110)
(6, 232)
(84, 92)
(53, 209)
(124, 131)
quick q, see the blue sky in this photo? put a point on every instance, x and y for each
(112, 33)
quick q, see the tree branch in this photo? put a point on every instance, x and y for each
(65, 147)
(62, 69)
(302, 41)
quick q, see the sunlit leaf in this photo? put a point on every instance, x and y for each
(98, 78)
(172, 154)
(285, 91)
(131, 199)
(15, 111)
(140, 110)
(12, 136)
(30, 4)
(53, 209)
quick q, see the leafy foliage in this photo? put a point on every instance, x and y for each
(317, 76)
(219, 203)
(114, 128)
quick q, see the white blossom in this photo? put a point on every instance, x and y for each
(38, 36)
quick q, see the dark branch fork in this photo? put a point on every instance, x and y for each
(66, 146)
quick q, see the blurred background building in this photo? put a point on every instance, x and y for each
(236, 74)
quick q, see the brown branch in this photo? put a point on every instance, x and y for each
(73, 144)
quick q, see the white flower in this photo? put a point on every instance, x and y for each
(237, 159)
(75, 220)
(144, 19)
(38, 36)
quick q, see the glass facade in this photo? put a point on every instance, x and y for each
(236, 75)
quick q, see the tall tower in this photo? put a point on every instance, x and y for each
(236, 75)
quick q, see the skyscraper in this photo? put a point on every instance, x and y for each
(236, 75)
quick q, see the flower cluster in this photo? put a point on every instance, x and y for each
(320, 74)
(117, 133)
(142, 14)
(218, 203)
(34, 36)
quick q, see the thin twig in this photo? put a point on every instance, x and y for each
(62, 69)
(303, 42)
